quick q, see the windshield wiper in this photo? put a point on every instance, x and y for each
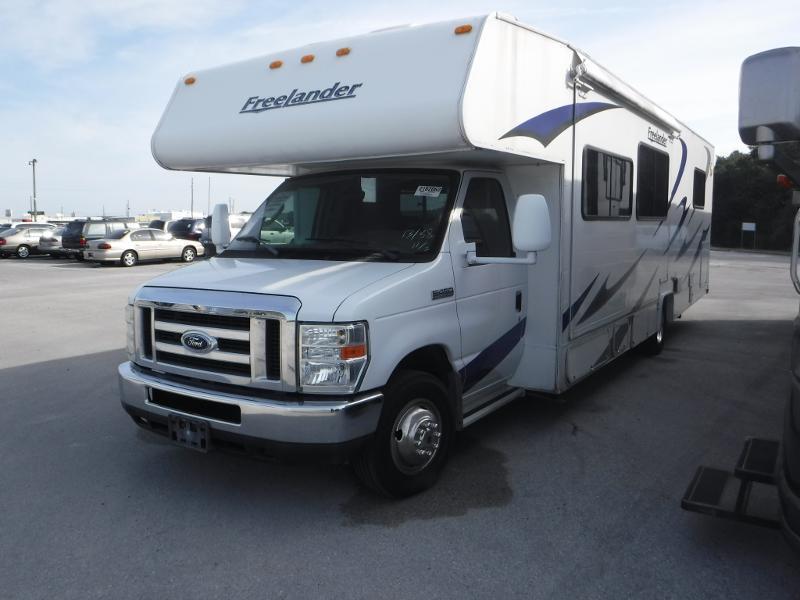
(261, 244)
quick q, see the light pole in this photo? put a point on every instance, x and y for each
(32, 163)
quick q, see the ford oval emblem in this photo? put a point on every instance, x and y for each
(199, 342)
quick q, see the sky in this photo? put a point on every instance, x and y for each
(84, 82)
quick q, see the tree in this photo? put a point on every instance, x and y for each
(745, 189)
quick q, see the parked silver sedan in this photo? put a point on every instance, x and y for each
(130, 247)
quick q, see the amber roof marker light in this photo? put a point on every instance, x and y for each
(461, 29)
(276, 64)
(307, 58)
(189, 80)
(343, 52)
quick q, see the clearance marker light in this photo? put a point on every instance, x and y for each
(307, 58)
(189, 80)
(463, 29)
(343, 52)
(276, 64)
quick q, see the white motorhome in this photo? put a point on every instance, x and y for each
(476, 209)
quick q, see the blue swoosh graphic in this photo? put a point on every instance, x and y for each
(549, 125)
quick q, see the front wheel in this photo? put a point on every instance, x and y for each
(189, 254)
(129, 258)
(23, 252)
(410, 445)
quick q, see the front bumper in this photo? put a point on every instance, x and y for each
(303, 423)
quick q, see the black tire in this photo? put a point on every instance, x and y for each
(188, 254)
(653, 345)
(129, 258)
(390, 463)
(79, 257)
(23, 251)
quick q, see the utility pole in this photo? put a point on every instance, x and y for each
(32, 163)
(128, 208)
(208, 209)
(191, 206)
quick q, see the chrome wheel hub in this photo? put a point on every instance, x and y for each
(416, 436)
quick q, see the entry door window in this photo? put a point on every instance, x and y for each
(484, 218)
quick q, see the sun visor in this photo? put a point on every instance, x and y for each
(390, 93)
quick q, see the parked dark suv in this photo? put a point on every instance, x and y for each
(77, 234)
(188, 229)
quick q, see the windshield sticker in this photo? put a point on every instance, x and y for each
(432, 191)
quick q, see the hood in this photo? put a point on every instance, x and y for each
(320, 285)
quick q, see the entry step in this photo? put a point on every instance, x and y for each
(758, 460)
(747, 494)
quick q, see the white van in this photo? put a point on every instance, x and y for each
(475, 209)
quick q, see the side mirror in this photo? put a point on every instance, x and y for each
(530, 233)
(220, 230)
(531, 227)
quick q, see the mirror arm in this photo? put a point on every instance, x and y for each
(474, 259)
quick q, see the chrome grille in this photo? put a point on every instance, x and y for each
(233, 353)
(253, 336)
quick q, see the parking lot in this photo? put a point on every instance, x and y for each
(578, 498)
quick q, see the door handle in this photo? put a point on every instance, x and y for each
(518, 302)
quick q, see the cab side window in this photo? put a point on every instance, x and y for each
(484, 218)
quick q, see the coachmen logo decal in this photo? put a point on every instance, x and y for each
(199, 342)
(257, 104)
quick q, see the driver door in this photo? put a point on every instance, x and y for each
(490, 299)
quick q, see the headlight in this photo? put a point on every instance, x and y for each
(130, 346)
(332, 357)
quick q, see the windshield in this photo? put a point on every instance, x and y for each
(394, 215)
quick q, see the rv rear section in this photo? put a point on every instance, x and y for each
(473, 210)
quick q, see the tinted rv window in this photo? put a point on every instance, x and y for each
(484, 218)
(607, 185)
(699, 189)
(652, 188)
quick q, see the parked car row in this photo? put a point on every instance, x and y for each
(104, 241)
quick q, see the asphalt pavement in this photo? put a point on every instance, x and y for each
(570, 498)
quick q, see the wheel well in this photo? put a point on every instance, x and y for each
(136, 254)
(434, 360)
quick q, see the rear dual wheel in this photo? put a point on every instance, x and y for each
(655, 343)
(410, 445)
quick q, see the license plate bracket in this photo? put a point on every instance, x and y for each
(189, 433)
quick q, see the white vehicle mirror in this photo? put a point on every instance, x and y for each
(531, 227)
(220, 229)
(530, 232)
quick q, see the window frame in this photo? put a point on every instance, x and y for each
(584, 188)
(657, 151)
(705, 183)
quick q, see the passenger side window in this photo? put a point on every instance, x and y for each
(159, 236)
(484, 218)
(652, 188)
(607, 185)
(141, 236)
(699, 189)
